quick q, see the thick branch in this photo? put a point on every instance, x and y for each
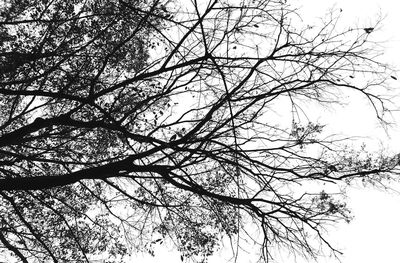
(100, 172)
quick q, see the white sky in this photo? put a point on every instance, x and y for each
(374, 235)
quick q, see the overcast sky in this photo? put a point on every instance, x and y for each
(373, 235)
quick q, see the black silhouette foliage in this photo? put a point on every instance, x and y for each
(133, 123)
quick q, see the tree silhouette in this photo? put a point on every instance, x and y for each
(125, 124)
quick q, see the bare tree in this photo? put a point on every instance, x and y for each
(129, 123)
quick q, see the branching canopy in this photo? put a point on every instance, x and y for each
(128, 123)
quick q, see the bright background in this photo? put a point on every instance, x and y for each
(374, 234)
